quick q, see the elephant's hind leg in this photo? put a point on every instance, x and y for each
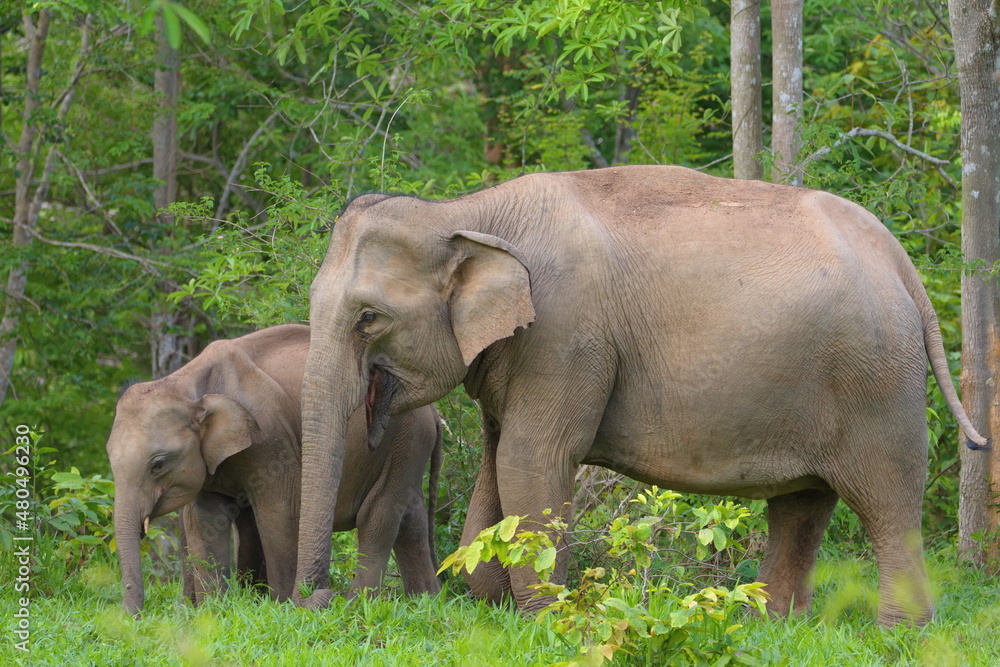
(796, 522)
(250, 564)
(890, 511)
(207, 523)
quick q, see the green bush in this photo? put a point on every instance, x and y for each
(631, 609)
(71, 512)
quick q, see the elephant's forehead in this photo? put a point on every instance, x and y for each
(148, 411)
(386, 254)
(385, 279)
(401, 226)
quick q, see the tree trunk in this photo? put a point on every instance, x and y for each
(166, 85)
(786, 58)
(977, 40)
(625, 132)
(167, 340)
(24, 217)
(748, 133)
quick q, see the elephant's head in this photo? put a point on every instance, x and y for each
(404, 302)
(162, 446)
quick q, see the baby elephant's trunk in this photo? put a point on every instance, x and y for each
(128, 532)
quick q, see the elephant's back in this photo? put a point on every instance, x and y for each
(280, 352)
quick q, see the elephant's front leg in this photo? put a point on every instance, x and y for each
(549, 427)
(206, 525)
(489, 580)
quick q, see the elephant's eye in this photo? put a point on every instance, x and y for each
(157, 467)
(364, 321)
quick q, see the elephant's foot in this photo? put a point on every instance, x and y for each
(531, 606)
(135, 611)
(906, 599)
(490, 581)
(917, 618)
(784, 601)
(320, 599)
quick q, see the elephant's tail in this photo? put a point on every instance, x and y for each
(432, 486)
(939, 364)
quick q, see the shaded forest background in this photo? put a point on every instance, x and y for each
(185, 161)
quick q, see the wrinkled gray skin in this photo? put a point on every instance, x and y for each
(221, 438)
(701, 334)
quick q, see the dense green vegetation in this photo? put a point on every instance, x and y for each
(287, 110)
(84, 624)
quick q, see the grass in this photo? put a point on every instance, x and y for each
(841, 630)
(78, 620)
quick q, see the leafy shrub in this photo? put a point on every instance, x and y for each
(71, 515)
(690, 546)
(626, 610)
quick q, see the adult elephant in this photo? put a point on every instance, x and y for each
(702, 334)
(221, 439)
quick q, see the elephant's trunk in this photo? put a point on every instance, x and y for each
(128, 532)
(331, 390)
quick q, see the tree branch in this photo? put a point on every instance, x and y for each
(215, 162)
(149, 264)
(128, 166)
(90, 193)
(240, 165)
(865, 132)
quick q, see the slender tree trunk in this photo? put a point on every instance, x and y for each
(27, 204)
(24, 222)
(165, 325)
(786, 25)
(748, 133)
(625, 132)
(977, 41)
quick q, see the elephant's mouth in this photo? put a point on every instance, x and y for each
(382, 388)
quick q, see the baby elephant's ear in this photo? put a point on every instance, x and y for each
(227, 428)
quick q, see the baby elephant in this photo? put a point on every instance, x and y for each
(221, 438)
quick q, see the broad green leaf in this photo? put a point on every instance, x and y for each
(300, 49)
(507, 527)
(472, 556)
(193, 22)
(545, 560)
(172, 25)
(721, 540)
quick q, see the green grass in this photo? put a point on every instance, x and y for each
(842, 631)
(81, 622)
(78, 620)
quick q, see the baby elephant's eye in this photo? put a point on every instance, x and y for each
(157, 467)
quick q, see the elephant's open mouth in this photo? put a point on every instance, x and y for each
(382, 387)
(370, 396)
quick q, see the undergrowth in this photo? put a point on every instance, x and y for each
(656, 578)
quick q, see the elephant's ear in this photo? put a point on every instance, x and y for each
(227, 428)
(491, 292)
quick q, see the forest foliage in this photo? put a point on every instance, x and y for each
(288, 110)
